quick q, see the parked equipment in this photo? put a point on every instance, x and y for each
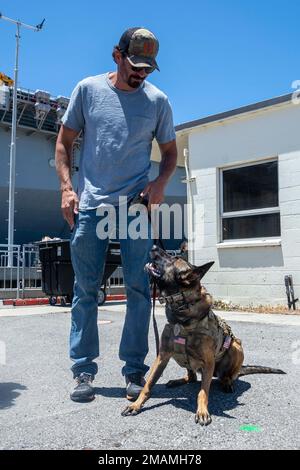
(289, 287)
(58, 274)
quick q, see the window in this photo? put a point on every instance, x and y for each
(249, 201)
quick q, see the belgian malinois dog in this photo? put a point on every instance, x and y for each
(194, 336)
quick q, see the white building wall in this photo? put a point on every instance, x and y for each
(252, 274)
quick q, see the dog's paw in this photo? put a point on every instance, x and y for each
(204, 419)
(130, 411)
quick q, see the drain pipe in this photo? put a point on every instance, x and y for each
(190, 214)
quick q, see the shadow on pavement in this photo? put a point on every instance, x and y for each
(185, 397)
(110, 392)
(8, 394)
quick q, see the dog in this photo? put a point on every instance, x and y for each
(194, 336)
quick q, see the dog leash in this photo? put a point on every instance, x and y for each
(157, 241)
(143, 200)
(155, 327)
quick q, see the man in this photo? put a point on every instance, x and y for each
(119, 113)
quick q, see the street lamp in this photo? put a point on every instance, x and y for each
(12, 158)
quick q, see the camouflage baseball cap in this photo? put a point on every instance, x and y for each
(141, 47)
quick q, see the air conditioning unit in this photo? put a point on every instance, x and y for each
(41, 110)
(42, 96)
(42, 105)
(62, 106)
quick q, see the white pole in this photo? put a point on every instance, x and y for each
(190, 214)
(12, 157)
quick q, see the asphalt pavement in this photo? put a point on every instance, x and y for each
(35, 382)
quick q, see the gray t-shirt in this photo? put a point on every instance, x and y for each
(118, 129)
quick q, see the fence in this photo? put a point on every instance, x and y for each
(31, 268)
(19, 270)
(10, 269)
(115, 280)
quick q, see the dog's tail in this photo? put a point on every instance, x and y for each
(246, 370)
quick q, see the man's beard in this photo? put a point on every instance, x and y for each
(134, 82)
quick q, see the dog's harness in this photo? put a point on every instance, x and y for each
(182, 335)
(180, 342)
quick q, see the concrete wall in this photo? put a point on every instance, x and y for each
(247, 274)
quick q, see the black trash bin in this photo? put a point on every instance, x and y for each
(58, 274)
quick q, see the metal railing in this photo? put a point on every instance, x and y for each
(30, 268)
(10, 269)
(19, 270)
(116, 279)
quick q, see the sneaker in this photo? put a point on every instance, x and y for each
(134, 385)
(83, 391)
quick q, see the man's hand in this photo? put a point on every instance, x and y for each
(69, 205)
(154, 191)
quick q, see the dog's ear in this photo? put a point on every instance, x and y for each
(202, 270)
(197, 272)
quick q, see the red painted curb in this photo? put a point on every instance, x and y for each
(45, 300)
(116, 297)
(25, 302)
(8, 302)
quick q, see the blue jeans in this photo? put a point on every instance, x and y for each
(88, 254)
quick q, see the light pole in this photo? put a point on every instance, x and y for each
(12, 157)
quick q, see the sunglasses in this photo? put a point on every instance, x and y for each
(147, 70)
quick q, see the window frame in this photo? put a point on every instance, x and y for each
(247, 212)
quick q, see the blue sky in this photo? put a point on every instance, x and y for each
(214, 55)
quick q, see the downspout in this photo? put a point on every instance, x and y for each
(190, 211)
